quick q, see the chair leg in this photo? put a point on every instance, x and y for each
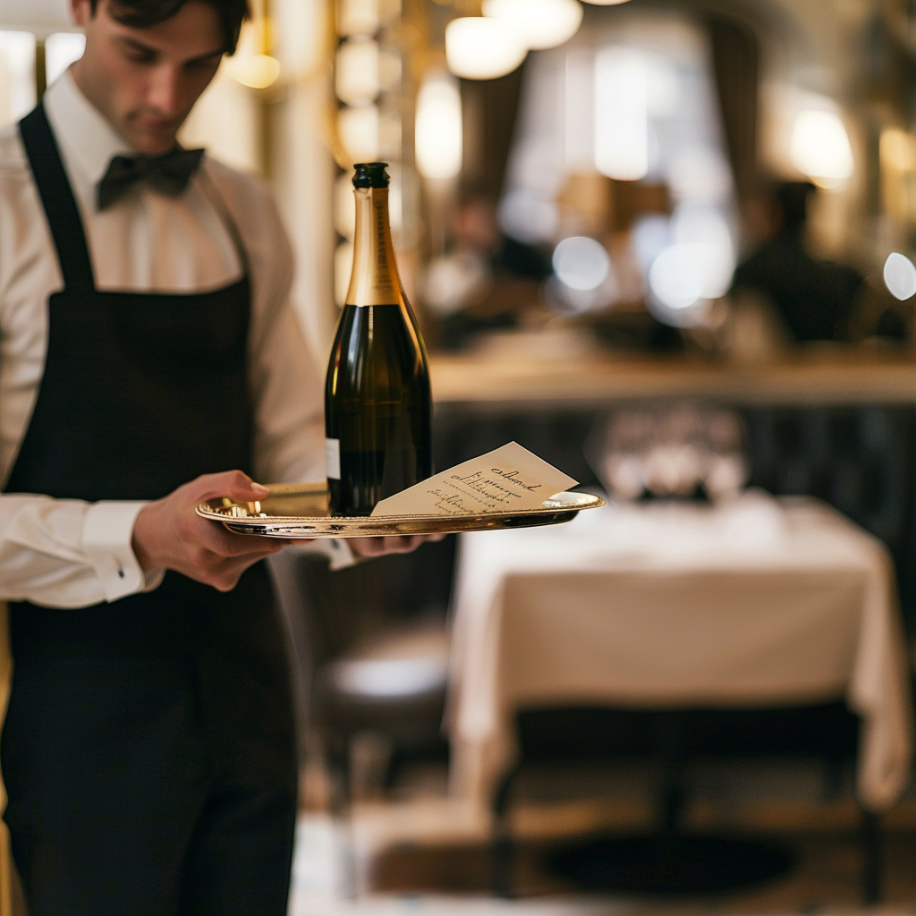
(337, 753)
(673, 790)
(338, 757)
(872, 851)
(392, 769)
(673, 799)
(832, 779)
(502, 849)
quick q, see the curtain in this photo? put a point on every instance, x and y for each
(736, 68)
(489, 111)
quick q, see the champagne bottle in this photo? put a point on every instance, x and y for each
(377, 397)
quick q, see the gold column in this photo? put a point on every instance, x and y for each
(41, 70)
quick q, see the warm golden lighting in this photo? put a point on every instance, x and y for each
(438, 128)
(357, 17)
(257, 72)
(897, 150)
(359, 131)
(358, 71)
(897, 156)
(539, 23)
(253, 65)
(479, 48)
(820, 148)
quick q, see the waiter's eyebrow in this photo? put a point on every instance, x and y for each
(142, 48)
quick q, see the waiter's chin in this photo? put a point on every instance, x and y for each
(152, 137)
(154, 148)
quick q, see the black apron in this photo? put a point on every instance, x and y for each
(148, 749)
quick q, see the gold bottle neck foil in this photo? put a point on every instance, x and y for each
(374, 280)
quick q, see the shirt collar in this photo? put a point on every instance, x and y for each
(86, 137)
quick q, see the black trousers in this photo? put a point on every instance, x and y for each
(152, 785)
(145, 824)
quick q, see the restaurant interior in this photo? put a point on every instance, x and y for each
(669, 246)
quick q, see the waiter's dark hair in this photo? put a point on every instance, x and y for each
(141, 14)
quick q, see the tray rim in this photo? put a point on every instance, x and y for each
(314, 526)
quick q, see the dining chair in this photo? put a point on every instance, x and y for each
(364, 660)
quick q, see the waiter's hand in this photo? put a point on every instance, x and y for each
(168, 533)
(402, 543)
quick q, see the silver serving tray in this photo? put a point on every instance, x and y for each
(300, 510)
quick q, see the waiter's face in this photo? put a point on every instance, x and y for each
(145, 81)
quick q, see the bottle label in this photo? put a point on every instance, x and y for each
(332, 458)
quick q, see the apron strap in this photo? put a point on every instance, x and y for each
(57, 198)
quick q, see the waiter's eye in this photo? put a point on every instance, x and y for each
(206, 63)
(138, 54)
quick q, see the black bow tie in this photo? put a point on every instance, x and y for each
(168, 174)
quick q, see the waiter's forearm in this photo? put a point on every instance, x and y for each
(67, 553)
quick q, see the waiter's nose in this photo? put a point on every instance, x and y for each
(165, 90)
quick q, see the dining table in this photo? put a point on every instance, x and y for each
(751, 602)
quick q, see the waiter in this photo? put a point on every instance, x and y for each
(149, 360)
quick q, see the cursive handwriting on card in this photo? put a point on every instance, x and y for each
(508, 479)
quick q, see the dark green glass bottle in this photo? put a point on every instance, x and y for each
(378, 407)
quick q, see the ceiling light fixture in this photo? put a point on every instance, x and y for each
(480, 48)
(539, 23)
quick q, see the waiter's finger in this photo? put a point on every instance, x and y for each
(215, 538)
(379, 546)
(211, 568)
(234, 485)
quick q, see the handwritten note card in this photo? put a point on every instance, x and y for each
(505, 480)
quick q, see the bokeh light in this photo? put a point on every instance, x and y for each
(539, 23)
(621, 114)
(581, 263)
(438, 134)
(900, 276)
(676, 277)
(479, 48)
(820, 148)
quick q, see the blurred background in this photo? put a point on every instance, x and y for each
(592, 171)
(669, 246)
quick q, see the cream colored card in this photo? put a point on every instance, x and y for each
(505, 480)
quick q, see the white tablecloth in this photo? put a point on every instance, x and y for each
(662, 604)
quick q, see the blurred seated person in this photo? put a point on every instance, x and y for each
(487, 280)
(882, 318)
(814, 299)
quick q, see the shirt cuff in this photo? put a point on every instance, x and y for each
(107, 532)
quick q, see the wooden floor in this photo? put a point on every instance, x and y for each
(443, 878)
(826, 878)
(418, 852)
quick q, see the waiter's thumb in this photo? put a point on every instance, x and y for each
(235, 485)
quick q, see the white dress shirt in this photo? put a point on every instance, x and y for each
(69, 553)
